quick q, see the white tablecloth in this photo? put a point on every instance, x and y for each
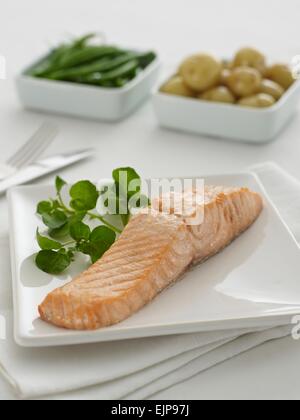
(175, 28)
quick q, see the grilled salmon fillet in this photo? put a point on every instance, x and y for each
(153, 251)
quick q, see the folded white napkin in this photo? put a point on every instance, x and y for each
(134, 369)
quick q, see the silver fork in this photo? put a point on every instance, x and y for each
(31, 150)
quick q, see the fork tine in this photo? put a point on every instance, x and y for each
(34, 146)
(13, 159)
(36, 150)
(24, 153)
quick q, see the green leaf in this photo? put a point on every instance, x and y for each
(84, 196)
(101, 239)
(52, 262)
(127, 180)
(46, 243)
(59, 184)
(64, 231)
(55, 219)
(60, 233)
(80, 231)
(103, 234)
(64, 224)
(77, 217)
(55, 204)
(89, 249)
(93, 249)
(44, 207)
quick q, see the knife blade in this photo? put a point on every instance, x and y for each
(43, 167)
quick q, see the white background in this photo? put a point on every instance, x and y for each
(174, 28)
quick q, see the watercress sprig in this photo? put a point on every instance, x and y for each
(67, 230)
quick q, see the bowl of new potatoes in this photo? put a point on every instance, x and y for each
(245, 98)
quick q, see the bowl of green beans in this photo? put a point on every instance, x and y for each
(87, 79)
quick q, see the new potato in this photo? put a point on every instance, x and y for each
(244, 81)
(271, 88)
(250, 57)
(218, 94)
(281, 74)
(201, 72)
(261, 100)
(176, 86)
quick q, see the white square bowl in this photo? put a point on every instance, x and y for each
(108, 104)
(225, 120)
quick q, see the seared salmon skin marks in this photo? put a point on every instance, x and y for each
(153, 251)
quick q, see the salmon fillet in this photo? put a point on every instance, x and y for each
(153, 251)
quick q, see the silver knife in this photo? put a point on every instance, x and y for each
(43, 167)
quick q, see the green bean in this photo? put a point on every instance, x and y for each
(48, 63)
(102, 65)
(73, 72)
(86, 55)
(66, 51)
(121, 71)
(99, 77)
(146, 59)
(41, 67)
(110, 79)
(61, 53)
(98, 66)
(81, 42)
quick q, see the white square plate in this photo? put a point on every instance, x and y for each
(254, 282)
